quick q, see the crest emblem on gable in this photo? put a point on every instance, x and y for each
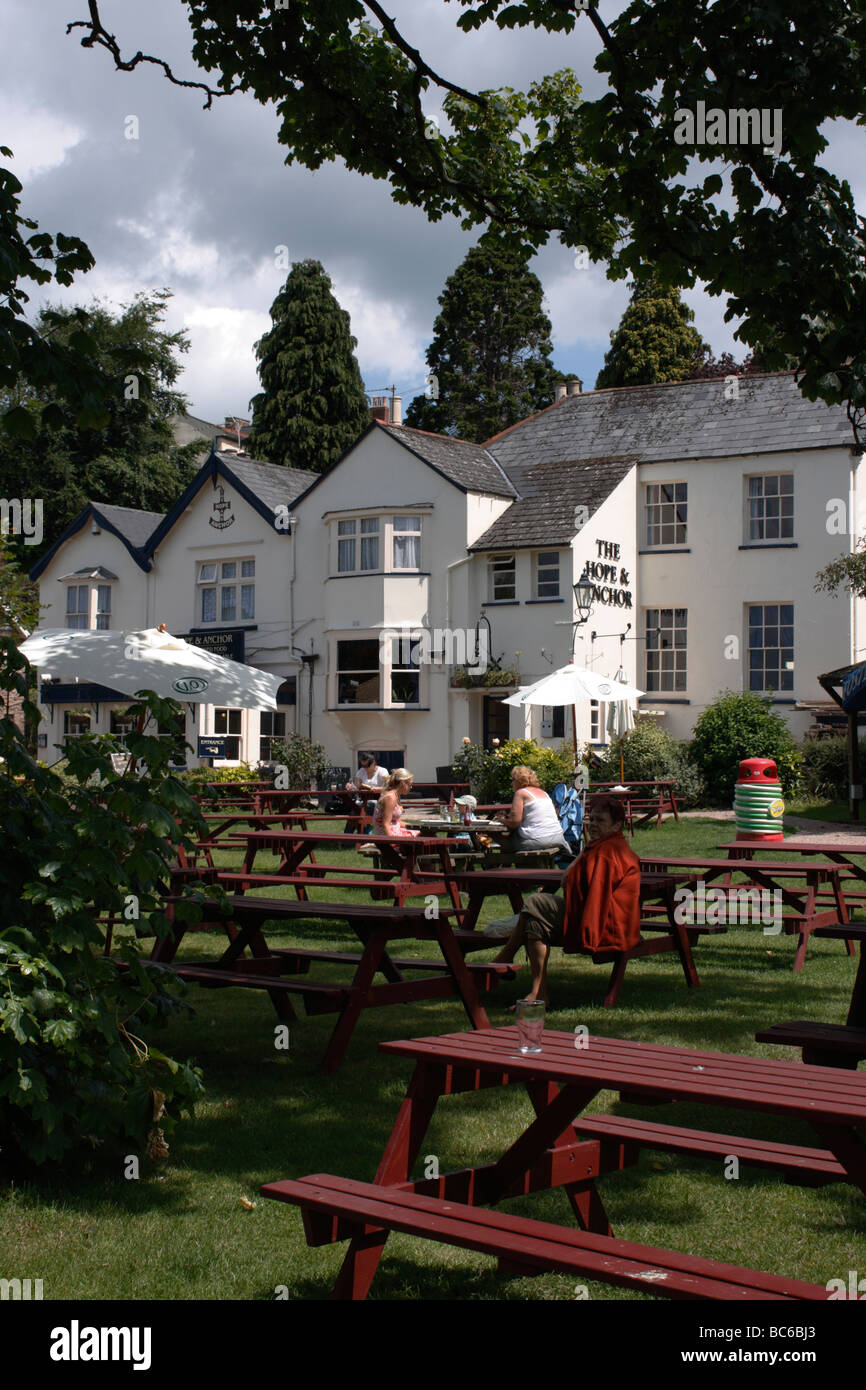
(223, 509)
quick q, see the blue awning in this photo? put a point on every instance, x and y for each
(854, 689)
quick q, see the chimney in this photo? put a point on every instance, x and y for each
(379, 409)
(560, 391)
(575, 386)
(396, 410)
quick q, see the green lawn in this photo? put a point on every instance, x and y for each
(182, 1231)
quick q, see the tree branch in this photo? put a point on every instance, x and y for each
(415, 57)
(99, 35)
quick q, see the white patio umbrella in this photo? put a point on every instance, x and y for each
(620, 716)
(570, 685)
(151, 660)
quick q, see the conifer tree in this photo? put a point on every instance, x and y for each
(312, 405)
(490, 356)
(655, 340)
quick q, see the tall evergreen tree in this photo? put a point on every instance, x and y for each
(490, 356)
(655, 340)
(312, 406)
(132, 460)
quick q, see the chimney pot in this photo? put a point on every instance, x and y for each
(396, 410)
(560, 391)
(575, 386)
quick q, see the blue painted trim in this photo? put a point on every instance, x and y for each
(660, 700)
(501, 603)
(213, 467)
(770, 545)
(544, 600)
(93, 513)
(674, 550)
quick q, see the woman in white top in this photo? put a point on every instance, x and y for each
(532, 817)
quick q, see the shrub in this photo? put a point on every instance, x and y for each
(196, 779)
(304, 761)
(650, 753)
(737, 725)
(825, 766)
(489, 772)
(76, 1069)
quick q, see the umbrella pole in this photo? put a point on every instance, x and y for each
(574, 732)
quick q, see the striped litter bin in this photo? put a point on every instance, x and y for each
(758, 804)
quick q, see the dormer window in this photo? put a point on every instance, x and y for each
(88, 599)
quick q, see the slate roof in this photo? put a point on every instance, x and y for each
(470, 466)
(549, 493)
(675, 420)
(134, 526)
(271, 483)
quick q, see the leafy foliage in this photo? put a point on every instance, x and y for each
(76, 1070)
(312, 406)
(54, 370)
(488, 771)
(649, 753)
(131, 460)
(490, 356)
(770, 228)
(825, 766)
(847, 572)
(19, 599)
(738, 725)
(304, 761)
(655, 340)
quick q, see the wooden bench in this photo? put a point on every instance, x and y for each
(336, 1209)
(823, 1044)
(623, 1138)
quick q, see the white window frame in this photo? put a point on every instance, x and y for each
(359, 528)
(221, 582)
(660, 506)
(496, 568)
(94, 613)
(760, 522)
(538, 567)
(786, 677)
(674, 679)
(391, 659)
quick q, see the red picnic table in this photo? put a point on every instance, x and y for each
(563, 1147)
(655, 890)
(398, 855)
(845, 855)
(276, 970)
(641, 799)
(830, 1044)
(805, 911)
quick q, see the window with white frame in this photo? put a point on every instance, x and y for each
(375, 673)
(229, 722)
(406, 543)
(501, 581)
(547, 574)
(666, 513)
(595, 730)
(771, 646)
(227, 591)
(666, 648)
(272, 727)
(76, 722)
(770, 507)
(378, 544)
(88, 606)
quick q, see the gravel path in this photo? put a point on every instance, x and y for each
(807, 829)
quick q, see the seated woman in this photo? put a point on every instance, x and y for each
(600, 906)
(386, 817)
(532, 817)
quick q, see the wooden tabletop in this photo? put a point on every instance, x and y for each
(819, 1094)
(339, 837)
(803, 847)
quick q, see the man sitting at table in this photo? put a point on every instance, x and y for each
(369, 778)
(600, 906)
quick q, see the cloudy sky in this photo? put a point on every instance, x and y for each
(200, 201)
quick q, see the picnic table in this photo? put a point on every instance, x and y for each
(642, 799)
(830, 1044)
(277, 969)
(399, 855)
(658, 915)
(844, 855)
(564, 1147)
(805, 913)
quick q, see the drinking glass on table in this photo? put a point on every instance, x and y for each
(530, 1025)
(443, 811)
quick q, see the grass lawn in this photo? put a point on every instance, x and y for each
(824, 810)
(182, 1231)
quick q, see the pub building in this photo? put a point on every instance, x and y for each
(402, 595)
